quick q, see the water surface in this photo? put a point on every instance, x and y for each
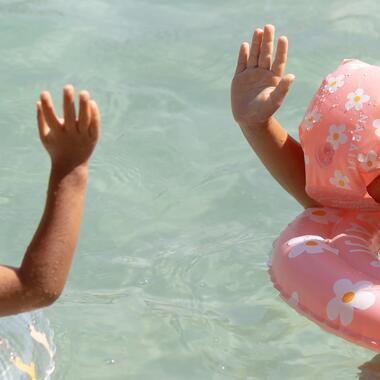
(169, 280)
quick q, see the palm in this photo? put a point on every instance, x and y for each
(258, 88)
(71, 140)
(254, 88)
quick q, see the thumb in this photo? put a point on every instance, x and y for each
(278, 94)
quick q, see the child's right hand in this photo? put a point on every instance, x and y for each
(69, 141)
(259, 86)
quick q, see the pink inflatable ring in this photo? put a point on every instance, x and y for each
(325, 263)
(325, 266)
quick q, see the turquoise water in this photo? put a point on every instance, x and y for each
(169, 280)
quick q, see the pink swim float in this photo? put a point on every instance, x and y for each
(325, 263)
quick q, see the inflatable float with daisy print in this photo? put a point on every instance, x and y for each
(325, 263)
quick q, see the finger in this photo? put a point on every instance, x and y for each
(279, 63)
(69, 106)
(48, 110)
(243, 58)
(278, 94)
(43, 128)
(257, 38)
(84, 111)
(265, 58)
(94, 128)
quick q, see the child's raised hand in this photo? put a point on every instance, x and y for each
(71, 140)
(259, 86)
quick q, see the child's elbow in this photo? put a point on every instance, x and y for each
(48, 298)
(43, 297)
(39, 292)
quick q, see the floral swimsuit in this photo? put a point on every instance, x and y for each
(340, 136)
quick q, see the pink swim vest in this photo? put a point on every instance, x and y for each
(325, 263)
(340, 136)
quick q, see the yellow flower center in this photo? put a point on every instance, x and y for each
(357, 99)
(341, 182)
(369, 163)
(319, 212)
(311, 243)
(335, 136)
(348, 297)
(333, 83)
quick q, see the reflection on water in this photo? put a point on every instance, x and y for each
(27, 349)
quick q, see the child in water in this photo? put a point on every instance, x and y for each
(258, 89)
(70, 142)
(325, 263)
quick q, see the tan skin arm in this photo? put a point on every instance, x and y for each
(282, 156)
(46, 264)
(257, 91)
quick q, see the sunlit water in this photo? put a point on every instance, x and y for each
(169, 280)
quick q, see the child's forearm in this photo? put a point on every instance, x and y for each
(46, 264)
(258, 89)
(282, 156)
(42, 276)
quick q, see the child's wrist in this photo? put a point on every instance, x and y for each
(256, 126)
(79, 171)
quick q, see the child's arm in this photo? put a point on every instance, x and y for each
(258, 90)
(69, 142)
(373, 189)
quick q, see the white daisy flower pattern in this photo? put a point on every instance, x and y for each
(310, 244)
(336, 135)
(348, 297)
(376, 125)
(340, 180)
(321, 216)
(369, 161)
(356, 100)
(333, 83)
(311, 118)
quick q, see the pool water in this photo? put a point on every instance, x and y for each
(170, 278)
